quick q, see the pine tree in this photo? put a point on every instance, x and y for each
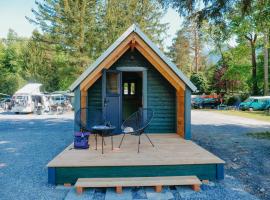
(80, 30)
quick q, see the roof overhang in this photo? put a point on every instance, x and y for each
(133, 38)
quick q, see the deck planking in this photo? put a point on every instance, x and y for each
(170, 149)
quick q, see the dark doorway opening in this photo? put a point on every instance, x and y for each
(131, 92)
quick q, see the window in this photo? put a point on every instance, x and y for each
(132, 89)
(112, 83)
(125, 88)
(129, 88)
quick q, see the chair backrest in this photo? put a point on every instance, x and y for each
(139, 120)
(86, 118)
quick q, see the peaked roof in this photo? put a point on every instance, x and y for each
(30, 88)
(133, 29)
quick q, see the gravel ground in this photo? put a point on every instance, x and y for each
(29, 142)
(247, 159)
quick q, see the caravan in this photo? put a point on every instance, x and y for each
(29, 99)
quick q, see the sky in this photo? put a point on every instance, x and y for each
(13, 12)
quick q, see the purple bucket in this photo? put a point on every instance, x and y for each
(81, 140)
(82, 134)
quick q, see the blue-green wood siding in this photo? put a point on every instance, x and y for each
(161, 96)
(71, 174)
(95, 95)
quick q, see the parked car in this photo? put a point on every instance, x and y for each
(259, 104)
(211, 102)
(197, 102)
(267, 107)
(245, 105)
(5, 103)
(57, 99)
(29, 99)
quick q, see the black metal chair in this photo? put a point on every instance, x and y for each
(136, 124)
(85, 124)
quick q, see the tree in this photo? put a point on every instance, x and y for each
(251, 12)
(180, 52)
(74, 33)
(246, 28)
(206, 9)
(10, 62)
(199, 80)
(186, 50)
(263, 17)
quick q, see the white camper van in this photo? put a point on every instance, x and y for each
(28, 98)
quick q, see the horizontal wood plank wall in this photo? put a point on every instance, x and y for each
(95, 97)
(161, 94)
(71, 174)
(180, 99)
(158, 63)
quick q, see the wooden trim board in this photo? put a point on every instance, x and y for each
(158, 182)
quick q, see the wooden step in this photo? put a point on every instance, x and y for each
(158, 182)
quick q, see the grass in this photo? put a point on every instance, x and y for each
(258, 115)
(260, 135)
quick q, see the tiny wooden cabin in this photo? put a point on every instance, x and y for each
(130, 74)
(134, 73)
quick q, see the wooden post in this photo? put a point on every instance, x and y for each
(180, 112)
(205, 181)
(196, 187)
(83, 99)
(158, 188)
(119, 189)
(79, 190)
(67, 184)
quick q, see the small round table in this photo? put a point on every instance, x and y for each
(104, 131)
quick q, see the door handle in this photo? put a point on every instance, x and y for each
(106, 101)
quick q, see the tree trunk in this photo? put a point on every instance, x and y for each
(266, 86)
(254, 69)
(196, 51)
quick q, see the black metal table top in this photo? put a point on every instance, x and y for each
(103, 129)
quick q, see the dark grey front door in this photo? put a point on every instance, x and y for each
(112, 96)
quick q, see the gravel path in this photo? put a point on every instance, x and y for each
(29, 142)
(247, 159)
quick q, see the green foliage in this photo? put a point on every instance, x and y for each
(10, 63)
(199, 80)
(75, 33)
(10, 83)
(260, 135)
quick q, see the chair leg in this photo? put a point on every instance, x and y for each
(139, 142)
(149, 139)
(122, 140)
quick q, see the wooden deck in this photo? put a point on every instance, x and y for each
(169, 149)
(171, 156)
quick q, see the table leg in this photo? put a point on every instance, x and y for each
(102, 142)
(112, 141)
(96, 140)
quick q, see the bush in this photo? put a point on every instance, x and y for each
(232, 100)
